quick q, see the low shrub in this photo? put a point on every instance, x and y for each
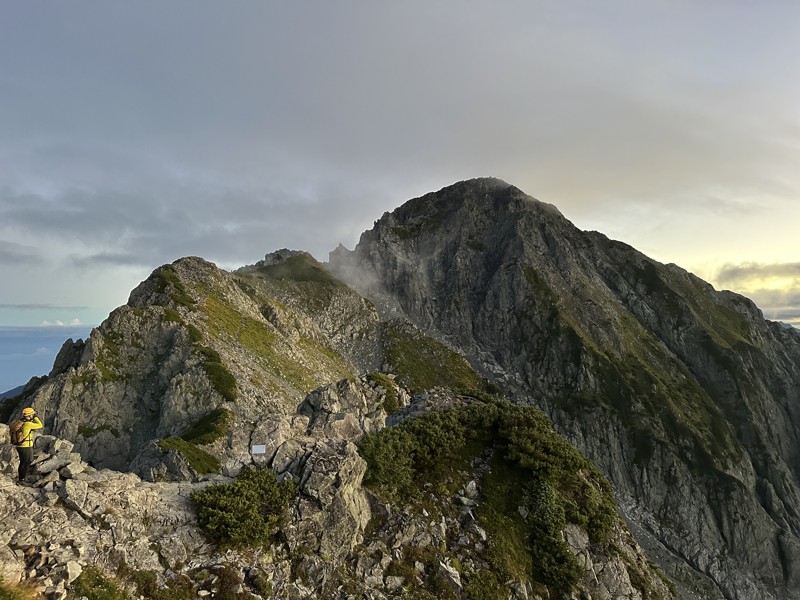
(222, 380)
(300, 267)
(245, 512)
(210, 428)
(391, 403)
(422, 362)
(219, 376)
(167, 280)
(94, 585)
(554, 563)
(483, 585)
(533, 466)
(390, 456)
(16, 592)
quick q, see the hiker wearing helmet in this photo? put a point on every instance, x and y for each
(22, 438)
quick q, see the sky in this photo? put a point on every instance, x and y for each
(136, 133)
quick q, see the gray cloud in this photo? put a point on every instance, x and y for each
(538, 92)
(775, 288)
(744, 274)
(19, 254)
(33, 306)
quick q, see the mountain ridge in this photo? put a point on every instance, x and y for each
(682, 395)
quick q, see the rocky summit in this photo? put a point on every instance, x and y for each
(480, 401)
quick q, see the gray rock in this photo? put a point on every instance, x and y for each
(74, 570)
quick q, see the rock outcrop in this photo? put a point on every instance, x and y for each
(194, 339)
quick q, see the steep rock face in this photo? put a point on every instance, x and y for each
(684, 396)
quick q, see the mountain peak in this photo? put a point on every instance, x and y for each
(480, 194)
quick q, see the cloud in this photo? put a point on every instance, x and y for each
(19, 253)
(108, 228)
(779, 276)
(40, 351)
(33, 306)
(109, 259)
(639, 119)
(60, 323)
(572, 104)
(775, 288)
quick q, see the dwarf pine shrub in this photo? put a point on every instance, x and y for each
(533, 466)
(245, 512)
(210, 428)
(94, 585)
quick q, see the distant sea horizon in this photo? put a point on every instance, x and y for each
(29, 351)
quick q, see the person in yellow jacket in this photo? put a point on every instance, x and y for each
(22, 437)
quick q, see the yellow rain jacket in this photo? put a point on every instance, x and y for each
(27, 428)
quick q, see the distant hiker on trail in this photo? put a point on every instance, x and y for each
(22, 438)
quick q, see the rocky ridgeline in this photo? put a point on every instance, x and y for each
(194, 339)
(683, 396)
(338, 541)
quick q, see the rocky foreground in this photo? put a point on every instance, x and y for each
(339, 539)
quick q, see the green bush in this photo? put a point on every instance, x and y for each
(483, 585)
(533, 466)
(245, 512)
(195, 335)
(300, 267)
(16, 592)
(435, 434)
(422, 362)
(172, 316)
(208, 354)
(176, 586)
(554, 563)
(222, 380)
(87, 432)
(167, 280)
(219, 376)
(391, 403)
(389, 455)
(94, 585)
(228, 583)
(213, 426)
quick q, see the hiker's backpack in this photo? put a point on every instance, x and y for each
(16, 432)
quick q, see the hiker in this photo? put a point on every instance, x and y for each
(22, 438)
